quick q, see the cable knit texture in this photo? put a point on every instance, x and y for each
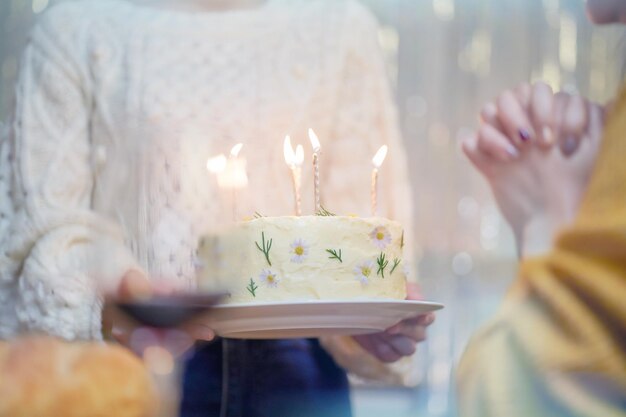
(119, 106)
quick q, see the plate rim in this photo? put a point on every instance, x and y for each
(381, 302)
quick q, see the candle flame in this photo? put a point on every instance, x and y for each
(379, 158)
(299, 157)
(216, 164)
(290, 155)
(234, 152)
(315, 142)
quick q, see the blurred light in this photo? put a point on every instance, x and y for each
(39, 5)
(568, 50)
(489, 228)
(388, 39)
(216, 164)
(468, 207)
(476, 56)
(444, 9)
(490, 224)
(489, 231)
(462, 263)
(158, 360)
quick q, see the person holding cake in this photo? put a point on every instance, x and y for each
(555, 165)
(104, 182)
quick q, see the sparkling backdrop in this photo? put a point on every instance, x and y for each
(445, 58)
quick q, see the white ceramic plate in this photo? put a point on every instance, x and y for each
(282, 320)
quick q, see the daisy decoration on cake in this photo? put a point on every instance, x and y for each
(299, 250)
(269, 278)
(363, 271)
(381, 237)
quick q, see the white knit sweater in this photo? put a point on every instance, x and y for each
(118, 108)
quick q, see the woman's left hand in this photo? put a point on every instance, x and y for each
(401, 339)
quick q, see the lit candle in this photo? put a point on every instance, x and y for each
(232, 170)
(231, 173)
(217, 164)
(234, 152)
(294, 160)
(315, 143)
(377, 161)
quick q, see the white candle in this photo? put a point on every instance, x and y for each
(231, 173)
(294, 160)
(377, 161)
(315, 144)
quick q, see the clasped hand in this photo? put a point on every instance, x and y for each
(536, 149)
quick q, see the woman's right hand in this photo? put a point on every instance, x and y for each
(536, 150)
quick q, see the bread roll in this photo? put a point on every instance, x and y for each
(46, 377)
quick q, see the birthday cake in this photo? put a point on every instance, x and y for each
(322, 257)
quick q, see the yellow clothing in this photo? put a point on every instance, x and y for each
(558, 345)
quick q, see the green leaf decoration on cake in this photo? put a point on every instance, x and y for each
(402, 240)
(324, 213)
(335, 254)
(252, 287)
(382, 263)
(396, 262)
(258, 215)
(265, 247)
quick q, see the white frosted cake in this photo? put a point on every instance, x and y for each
(306, 258)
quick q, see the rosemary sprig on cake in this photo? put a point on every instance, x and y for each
(382, 263)
(324, 213)
(265, 247)
(258, 215)
(252, 287)
(335, 254)
(396, 262)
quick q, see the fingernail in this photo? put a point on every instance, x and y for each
(548, 136)
(569, 146)
(524, 135)
(512, 151)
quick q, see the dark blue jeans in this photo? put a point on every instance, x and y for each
(264, 378)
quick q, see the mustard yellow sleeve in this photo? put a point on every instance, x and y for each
(558, 345)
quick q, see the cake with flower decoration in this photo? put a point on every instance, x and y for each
(323, 257)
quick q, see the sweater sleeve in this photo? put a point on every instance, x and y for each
(558, 344)
(56, 254)
(365, 120)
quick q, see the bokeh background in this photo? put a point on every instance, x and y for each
(445, 58)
